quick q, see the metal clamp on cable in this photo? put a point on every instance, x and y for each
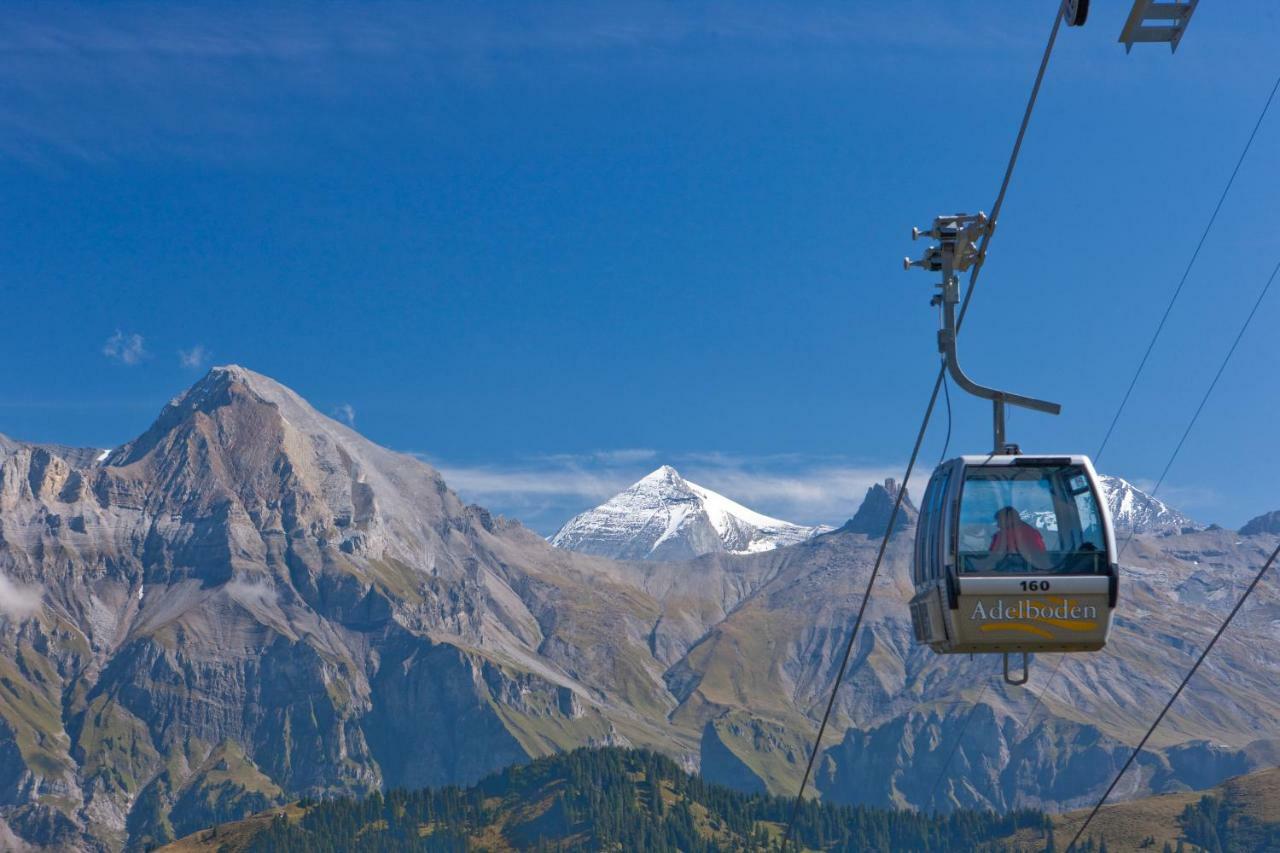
(956, 251)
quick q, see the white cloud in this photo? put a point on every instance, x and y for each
(195, 358)
(823, 493)
(125, 348)
(621, 456)
(251, 593)
(109, 81)
(510, 482)
(346, 413)
(18, 601)
(793, 487)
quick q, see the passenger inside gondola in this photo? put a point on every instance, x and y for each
(1015, 536)
(1045, 518)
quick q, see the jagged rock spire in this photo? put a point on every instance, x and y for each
(873, 516)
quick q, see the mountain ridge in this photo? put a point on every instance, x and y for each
(250, 602)
(663, 516)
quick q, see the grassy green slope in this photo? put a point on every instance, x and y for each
(1150, 823)
(597, 799)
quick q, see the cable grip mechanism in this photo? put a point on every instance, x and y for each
(957, 250)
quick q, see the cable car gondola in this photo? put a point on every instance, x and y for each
(1014, 553)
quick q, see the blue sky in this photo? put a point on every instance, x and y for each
(551, 247)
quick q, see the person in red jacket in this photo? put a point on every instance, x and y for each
(1016, 537)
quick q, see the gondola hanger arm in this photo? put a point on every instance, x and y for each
(956, 251)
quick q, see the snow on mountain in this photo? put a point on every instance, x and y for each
(1133, 509)
(666, 517)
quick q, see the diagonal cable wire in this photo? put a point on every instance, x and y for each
(959, 739)
(862, 608)
(946, 393)
(924, 425)
(1142, 363)
(1244, 327)
(1137, 749)
(1177, 291)
(1214, 384)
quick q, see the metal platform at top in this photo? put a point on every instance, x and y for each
(1153, 21)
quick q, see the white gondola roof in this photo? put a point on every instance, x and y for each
(1004, 459)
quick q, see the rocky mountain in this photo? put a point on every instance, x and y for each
(250, 603)
(250, 600)
(666, 517)
(1267, 523)
(873, 515)
(1134, 510)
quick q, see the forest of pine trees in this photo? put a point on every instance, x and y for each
(1217, 826)
(624, 800)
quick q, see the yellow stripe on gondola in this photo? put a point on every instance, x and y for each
(1017, 626)
(1070, 625)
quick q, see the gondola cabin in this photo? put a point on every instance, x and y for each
(1014, 554)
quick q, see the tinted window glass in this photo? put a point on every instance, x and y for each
(938, 520)
(1041, 519)
(923, 533)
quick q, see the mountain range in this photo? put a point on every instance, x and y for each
(666, 517)
(250, 602)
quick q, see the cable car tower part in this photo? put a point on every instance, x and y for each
(957, 250)
(1154, 21)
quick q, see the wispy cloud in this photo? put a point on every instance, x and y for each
(346, 413)
(548, 490)
(621, 456)
(1184, 498)
(253, 594)
(18, 601)
(125, 348)
(102, 82)
(195, 358)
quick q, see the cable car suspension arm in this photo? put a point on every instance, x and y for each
(956, 251)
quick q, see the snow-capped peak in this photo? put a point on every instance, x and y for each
(666, 517)
(1133, 509)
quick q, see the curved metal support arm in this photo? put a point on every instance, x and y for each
(957, 250)
(947, 346)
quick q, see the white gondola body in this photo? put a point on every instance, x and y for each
(976, 591)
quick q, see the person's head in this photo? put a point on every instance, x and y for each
(1007, 517)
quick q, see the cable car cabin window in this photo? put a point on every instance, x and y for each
(937, 527)
(1037, 520)
(922, 570)
(929, 550)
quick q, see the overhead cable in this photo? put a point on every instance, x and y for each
(924, 425)
(1142, 363)
(1177, 291)
(1137, 749)
(1244, 327)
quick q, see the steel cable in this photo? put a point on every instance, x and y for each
(1142, 363)
(1244, 327)
(1196, 666)
(924, 425)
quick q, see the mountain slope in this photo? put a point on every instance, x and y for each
(1133, 509)
(666, 517)
(251, 577)
(251, 603)
(597, 800)
(1244, 813)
